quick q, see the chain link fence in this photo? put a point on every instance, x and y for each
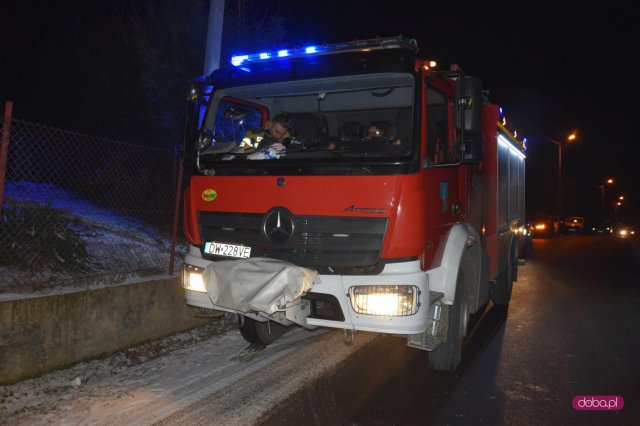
(82, 209)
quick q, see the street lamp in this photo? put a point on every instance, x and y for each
(616, 208)
(570, 138)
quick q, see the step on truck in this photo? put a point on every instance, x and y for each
(395, 204)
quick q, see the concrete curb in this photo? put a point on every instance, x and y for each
(41, 334)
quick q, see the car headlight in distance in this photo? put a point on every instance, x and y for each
(385, 300)
(192, 278)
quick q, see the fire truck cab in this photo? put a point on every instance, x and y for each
(395, 206)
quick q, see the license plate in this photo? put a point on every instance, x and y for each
(228, 250)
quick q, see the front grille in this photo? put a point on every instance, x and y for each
(322, 242)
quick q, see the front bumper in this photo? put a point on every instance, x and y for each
(331, 302)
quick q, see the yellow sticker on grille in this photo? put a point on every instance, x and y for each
(209, 194)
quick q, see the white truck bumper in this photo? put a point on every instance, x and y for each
(395, 301)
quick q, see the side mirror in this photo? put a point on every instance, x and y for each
(204, 139)
(199, 92)
(196, 89)
(469, 102)
(235, 114)
(468, 118)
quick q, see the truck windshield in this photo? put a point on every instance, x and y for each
(361, 117)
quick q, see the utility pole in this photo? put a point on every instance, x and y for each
(211, 63)
(214, 36)
(609, 181)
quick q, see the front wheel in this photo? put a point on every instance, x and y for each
(261, 333)
(448, 355)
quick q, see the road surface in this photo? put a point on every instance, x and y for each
(572, 329)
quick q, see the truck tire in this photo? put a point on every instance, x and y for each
(515, 256)
(448, 355)
(501, 294)
(261, 333)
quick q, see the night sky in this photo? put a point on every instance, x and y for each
(554, 66)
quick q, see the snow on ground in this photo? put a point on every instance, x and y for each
(210, 367)
(31, 401)
(122, 246)
(62, 199)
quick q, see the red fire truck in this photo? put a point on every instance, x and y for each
(395, 206)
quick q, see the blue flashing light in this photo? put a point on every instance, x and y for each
(501, 111)
(238, 60)
(378, 43)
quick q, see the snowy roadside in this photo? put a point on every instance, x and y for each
(210, 374)
(120, 247)
(113, 377)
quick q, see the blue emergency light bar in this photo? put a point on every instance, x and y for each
(361, 45)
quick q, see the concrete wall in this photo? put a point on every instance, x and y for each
(41, 334)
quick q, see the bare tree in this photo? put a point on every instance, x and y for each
(169, 39)
(251, 26)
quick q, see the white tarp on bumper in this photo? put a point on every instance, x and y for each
(256, 284)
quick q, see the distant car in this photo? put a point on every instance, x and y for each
(600, 228)
(573, 225)
(625, 231)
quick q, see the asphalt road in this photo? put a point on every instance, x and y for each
(572, 329)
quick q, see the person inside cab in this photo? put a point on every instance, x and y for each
(274, 138)
(376, 131)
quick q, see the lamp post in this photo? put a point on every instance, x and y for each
(609, 181)
(616, 208)
(619, 204)
(572, 137)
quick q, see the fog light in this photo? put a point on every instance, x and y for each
(192, 278)
(385, 300)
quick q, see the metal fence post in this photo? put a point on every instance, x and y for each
(176, 212)
(4, 150)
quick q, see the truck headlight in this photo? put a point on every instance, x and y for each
(192, 278)
(385, 300)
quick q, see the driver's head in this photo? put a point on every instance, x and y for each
(281, 126)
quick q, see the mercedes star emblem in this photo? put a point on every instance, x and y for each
(278, 225)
